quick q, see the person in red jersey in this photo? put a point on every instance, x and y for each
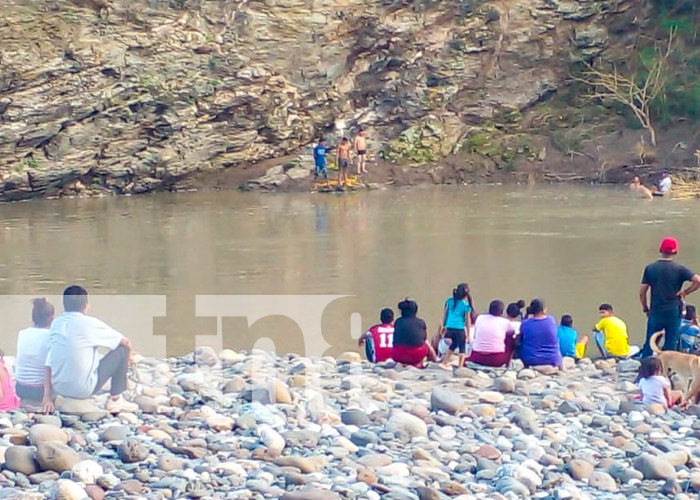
(379, 339)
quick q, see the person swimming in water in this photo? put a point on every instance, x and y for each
(637, 186)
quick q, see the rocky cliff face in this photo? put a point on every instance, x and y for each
(130, 96)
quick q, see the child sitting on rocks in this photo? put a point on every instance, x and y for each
(569, 344)
(655, 388)
(8, 399)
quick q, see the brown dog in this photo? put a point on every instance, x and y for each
(684, 365)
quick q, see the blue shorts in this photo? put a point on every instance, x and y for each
(321, 170)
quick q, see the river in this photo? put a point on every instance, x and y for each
(169, 254)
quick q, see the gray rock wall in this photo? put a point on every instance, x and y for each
(129, 96)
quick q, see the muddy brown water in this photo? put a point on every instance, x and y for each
(257, 269)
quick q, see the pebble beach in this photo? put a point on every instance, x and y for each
(255, 425)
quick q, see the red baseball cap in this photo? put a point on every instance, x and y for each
(669, 246)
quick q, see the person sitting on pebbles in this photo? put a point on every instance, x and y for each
(379, 339)
(610, 335)
(411, 345)
(8, 399)
(571, 345)
(74, 367)
(655, 387)
(539, 344)
(32, 350)
(494, 338)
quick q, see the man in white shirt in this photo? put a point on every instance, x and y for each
(74, 366)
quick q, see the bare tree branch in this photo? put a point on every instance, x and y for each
(637, 97)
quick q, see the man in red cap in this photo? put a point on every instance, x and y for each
(665, 278)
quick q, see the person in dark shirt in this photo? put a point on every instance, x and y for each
(665, 279)
(411, 337)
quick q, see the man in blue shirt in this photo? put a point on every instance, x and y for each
(320, 159)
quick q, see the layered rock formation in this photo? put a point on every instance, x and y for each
(130, 96)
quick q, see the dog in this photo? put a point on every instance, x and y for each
(684, 365)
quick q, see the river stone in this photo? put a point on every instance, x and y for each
(234, 385)
(363, 438)
(425, 493)
(76, 406)
(654, 467)
(628, 366)
(131, 451)
(21, 459)
(205, 356)
(307, 465)
(40, 433)
(147, 404)
(94, 492)
(132, 486)
(366, 476)
(676, 458)
(445, 400)
(375, 460)
(308, 439)
(488, 451)
(169, 463)
(579, 469)
(504, 385)
(602, 481)
(279, 392)
(87, 471)
(220, 423)
(405, 422)
(354, 417)
(65, 489)
(114, 433)
(41, 477)
(48, 420)
(512, 485)
(490, 397)
(311, 494)
(274, 442)
(349, 357)
(567, 407)
(230, 357)
(56, 456)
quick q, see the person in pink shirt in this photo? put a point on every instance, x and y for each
(8, 399)
(493, 338)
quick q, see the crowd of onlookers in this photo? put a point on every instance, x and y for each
(501, 334)
(495, 337)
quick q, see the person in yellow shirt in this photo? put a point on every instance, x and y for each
(610, 334)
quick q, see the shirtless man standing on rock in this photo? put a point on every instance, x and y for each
(343, 160)
(361, 150)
